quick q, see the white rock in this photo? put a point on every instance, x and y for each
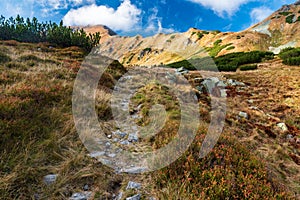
(97, 154)
(282, 126)
(50, 179)
(135, 197)
(243, 115)
(289, 137)
(81, 196)
(133, 185)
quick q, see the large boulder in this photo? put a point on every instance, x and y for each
(213, 86)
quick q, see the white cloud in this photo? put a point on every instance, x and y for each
(221, 7)
(124, 18)
(50, 6)
(154, 24)
(260, 13)
(127, 19)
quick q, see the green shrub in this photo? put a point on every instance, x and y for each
(230, 48)
(295, 61)
(230, 62)
(290, 56)
(248, 67)
(148, 49)
(214, 51)
(216, 32)
(4, 58)
(205, 63)
(285, 13)
(200, 35)
(227, 68)
(218, 42)
(289, 19)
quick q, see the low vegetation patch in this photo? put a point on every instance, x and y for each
(205, 63)
(230, 62)
(215, 50)
(289, 19)
(230, 48)
(248, 67)
(285, 13)
(290, 56)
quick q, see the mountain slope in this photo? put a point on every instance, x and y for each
(278, 31)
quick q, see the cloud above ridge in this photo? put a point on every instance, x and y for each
(222, 7)
(123, 18)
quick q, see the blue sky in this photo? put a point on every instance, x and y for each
(147, 17)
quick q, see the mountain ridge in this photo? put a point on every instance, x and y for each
(276, 32)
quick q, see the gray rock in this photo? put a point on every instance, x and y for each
(181, 71)
(50, 179)
(86, 187)
(200, 88)
(198, 80)
(282, 126)
(254, 108)
(223, 93)
(289, 137)
(111, 155)
(232, 82)
(105, 161)
(119, 133)
(134, 170)
(221, 84)
(36, 196)
(81, 196)
(250, 101)
(133, 138)
(294, 19)
(209, 85)
(125, 142)
(119, 197)
(243, 115)
(107, 144)
(115, 140)
(135, 197)
(97, 154)
(133, 185)
(214, 79)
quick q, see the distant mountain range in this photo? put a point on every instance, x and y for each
(278, 31)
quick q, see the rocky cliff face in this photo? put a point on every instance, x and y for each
(278, 31)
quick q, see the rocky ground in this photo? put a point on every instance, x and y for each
(42, 156)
